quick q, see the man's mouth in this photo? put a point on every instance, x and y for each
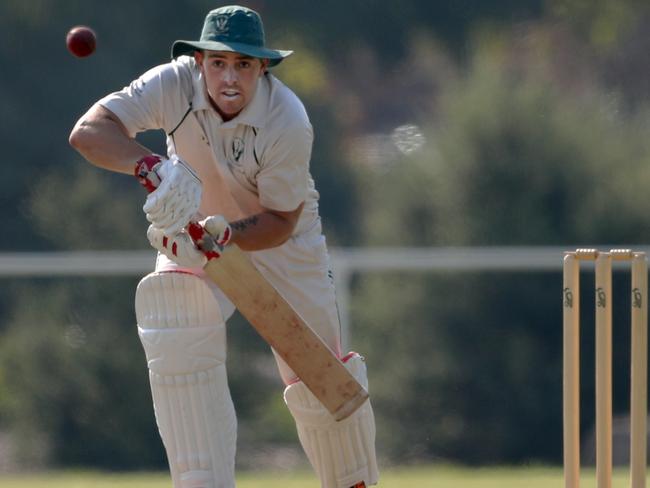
(230, 94)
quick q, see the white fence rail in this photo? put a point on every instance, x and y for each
(345, 262)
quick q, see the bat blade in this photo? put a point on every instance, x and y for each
(287, 333)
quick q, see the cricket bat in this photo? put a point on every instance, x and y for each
(283, 328)
(277, 322)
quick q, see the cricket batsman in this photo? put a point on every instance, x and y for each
(238, 149)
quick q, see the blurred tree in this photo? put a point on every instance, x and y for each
(512, 158)
(602, 22)
(105, 210)
(74, 386)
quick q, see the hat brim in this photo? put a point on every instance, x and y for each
(275, 56)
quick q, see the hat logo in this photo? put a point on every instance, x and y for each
(221, 23)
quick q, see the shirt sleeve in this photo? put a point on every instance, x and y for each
(139, 106)
(283, 180)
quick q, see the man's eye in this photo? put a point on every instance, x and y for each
(244, 64)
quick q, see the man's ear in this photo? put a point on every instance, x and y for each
(265, 65)
(198, 57)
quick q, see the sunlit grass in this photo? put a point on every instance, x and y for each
(422, 477)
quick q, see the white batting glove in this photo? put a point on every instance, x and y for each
(180, 248)
(177, 198)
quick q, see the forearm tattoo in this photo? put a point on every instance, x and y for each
(246, 223)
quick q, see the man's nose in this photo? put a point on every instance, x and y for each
(230, 75)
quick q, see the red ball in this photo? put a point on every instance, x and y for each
(81, 41)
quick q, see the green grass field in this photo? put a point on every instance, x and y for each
(423, 477)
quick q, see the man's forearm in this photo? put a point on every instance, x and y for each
(264, 230)
(101, 138)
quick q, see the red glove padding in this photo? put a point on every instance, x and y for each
(146, 171)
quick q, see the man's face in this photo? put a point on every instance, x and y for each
(230, 78)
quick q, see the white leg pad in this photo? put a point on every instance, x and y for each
(184, 338)
(342, 453)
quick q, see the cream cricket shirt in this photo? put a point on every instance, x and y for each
(263, 155)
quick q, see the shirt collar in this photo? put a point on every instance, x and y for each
(254, 114)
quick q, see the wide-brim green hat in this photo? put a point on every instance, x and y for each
(232, 28)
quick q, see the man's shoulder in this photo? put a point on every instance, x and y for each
(286, 108)
(185, 64)
(181, 70)
(177, 73)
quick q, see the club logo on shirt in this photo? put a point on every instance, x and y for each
(239, 154)
(237, 148)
